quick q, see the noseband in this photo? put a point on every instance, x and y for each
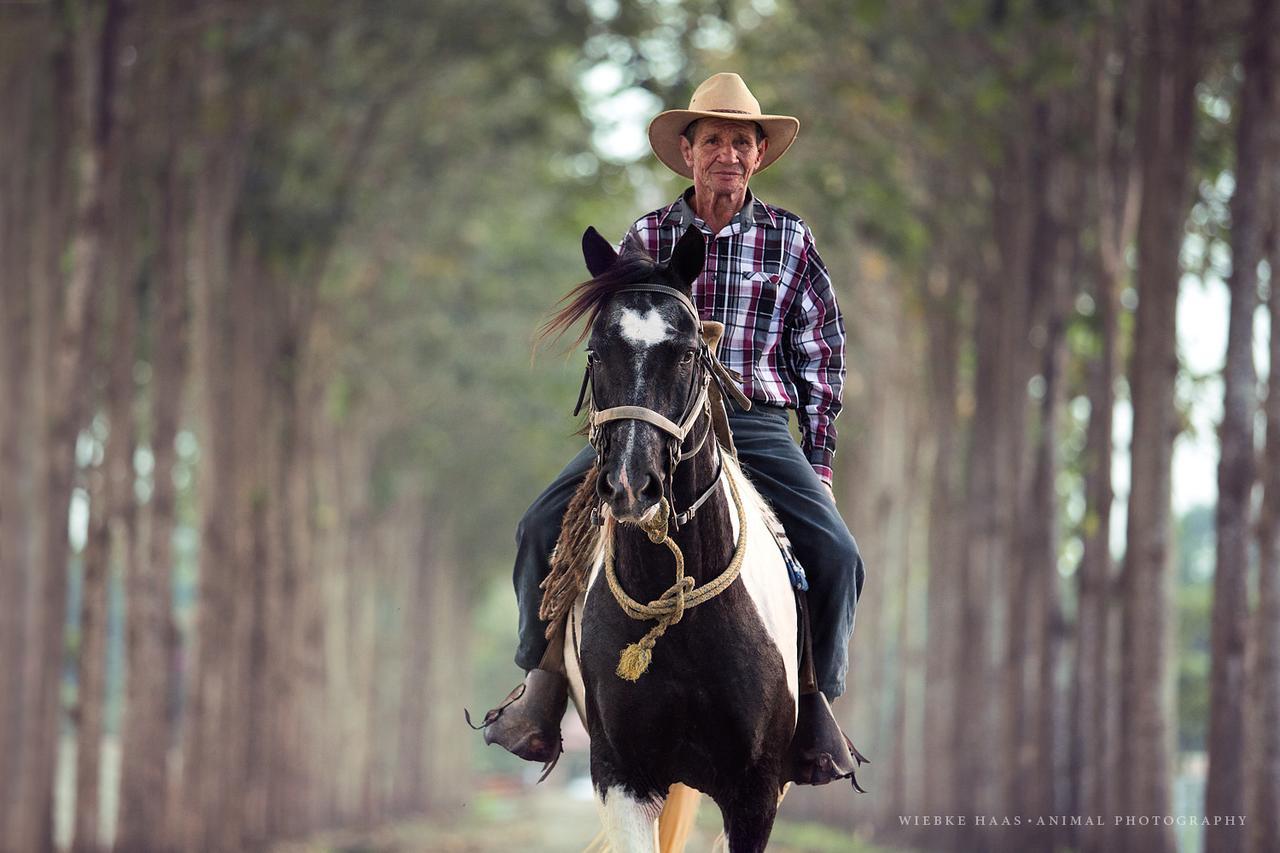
(697, 403)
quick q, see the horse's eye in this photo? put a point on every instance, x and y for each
(688, 357)
(591, 357)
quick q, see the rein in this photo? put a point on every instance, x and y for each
(669, 608)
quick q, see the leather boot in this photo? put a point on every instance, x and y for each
(527, 723)
(820, 752)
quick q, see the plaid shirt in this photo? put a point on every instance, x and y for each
(764, 280)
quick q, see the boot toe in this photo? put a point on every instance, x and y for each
(528, 724)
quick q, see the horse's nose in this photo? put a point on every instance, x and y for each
(607, 485)
(652, 489)
(617, 487)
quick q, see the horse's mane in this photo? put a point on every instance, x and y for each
(634, 265)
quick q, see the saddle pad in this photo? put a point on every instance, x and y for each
(794, 570)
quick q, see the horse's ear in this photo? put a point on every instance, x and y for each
(598, 252)
(688, 256)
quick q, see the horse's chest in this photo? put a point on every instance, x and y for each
(716, 692)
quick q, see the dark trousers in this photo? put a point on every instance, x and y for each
(770, 456)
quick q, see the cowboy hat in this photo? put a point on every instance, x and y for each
(725, 96)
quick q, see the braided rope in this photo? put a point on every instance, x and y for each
(669, 608)
(572, 558)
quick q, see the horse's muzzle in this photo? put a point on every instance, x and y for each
(631, 492)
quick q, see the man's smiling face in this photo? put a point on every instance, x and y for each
(723, 156)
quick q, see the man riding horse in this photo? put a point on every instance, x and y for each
(763, 279)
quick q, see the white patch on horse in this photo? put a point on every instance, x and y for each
(644, 330)
(573, 637)
(630, 825)
(765, 575)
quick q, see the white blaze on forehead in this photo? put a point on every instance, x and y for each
(644, 330)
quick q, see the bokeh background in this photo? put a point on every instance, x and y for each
(269, 277)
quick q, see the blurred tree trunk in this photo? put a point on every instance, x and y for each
(989, 736)
(288, 593)
(446, 767)
(90, 681)
(1224, 790)
(316, 781)
(904, 725)
(974, 761)
(1022, 235)
(213, 754)
(20, 45)
(244, 799)
(52, 202)
(1265, 820)
(147, 736)
(941, 676)
(111, 504)
(66, 402)
(1166, 127)
(1052, 303)
(111, 517)
(1014, 217)
(1032, 539)
(1113, 207)
(411, 788)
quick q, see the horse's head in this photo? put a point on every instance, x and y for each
(643, 353)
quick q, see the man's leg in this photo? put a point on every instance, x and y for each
(821, 540)
(820, 752)
(527, 723)
(535, 539)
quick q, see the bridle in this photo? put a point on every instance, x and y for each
(708, 369)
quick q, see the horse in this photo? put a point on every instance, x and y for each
(694, 690)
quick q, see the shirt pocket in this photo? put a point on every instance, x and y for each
(759, 277)
(759, 291)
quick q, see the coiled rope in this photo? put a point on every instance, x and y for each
(669, 608)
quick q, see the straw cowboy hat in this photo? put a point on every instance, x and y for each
(725, 96)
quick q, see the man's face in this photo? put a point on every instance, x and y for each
(723, 156)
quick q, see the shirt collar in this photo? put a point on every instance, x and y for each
(753, 211)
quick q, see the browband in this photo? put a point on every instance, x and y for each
(669, 291)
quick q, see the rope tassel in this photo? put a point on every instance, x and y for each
(635, 659)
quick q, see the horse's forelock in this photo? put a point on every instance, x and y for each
(634, 266)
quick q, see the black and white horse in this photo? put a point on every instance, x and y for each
(716, 708)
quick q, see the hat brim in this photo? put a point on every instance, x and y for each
(665, 130)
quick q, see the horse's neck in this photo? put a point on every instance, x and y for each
(706, 540)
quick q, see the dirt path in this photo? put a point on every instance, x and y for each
(547, 820)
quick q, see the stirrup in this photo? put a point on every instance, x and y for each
(527, 722)
(820, 752)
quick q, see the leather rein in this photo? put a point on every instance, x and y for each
(697, 403)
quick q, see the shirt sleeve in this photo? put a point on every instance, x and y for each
(815, 355)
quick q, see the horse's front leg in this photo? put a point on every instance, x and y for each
(630, 822)
(750, 811)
